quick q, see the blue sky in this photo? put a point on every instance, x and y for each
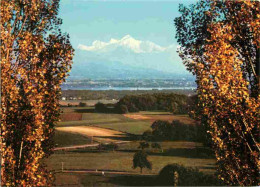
(89, 21)
(86, 21)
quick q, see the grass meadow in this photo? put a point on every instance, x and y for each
(187, 153)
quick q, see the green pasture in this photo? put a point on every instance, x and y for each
(111, 121)
(63, 139)
(189, 155)
(136, 128)
(85, 109)
(87, 122)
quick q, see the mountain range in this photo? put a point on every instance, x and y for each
(126, 58)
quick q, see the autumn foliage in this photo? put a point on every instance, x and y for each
(220, 41)
(35, 59)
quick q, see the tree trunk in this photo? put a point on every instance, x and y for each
(20, 155)
(258, 67)
(141, 169)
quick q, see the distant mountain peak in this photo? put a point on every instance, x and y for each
(127, 37)
(124, 56)
(126, 42)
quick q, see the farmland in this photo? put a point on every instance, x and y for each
(82, 125)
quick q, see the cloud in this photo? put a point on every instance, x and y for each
(127, 42)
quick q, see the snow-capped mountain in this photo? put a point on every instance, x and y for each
(126, 56)
(127, 42)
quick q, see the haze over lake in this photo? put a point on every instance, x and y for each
(130, 84)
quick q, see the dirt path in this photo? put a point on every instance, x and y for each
(136, 116)
(83, 146)
(97, 133)
(105, 172)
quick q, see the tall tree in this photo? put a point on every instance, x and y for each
(219, 43)
(35, 59)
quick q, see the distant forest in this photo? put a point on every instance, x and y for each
(175, 103)
(115, 94)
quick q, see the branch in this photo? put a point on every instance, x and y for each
(20, 155)
(26, 16)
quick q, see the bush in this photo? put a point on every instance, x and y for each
(156, 145)
(187, 176)
(110, 146)
(100, 107)
(147, 135)
(81, 104)
(144, 145)
(122, 109)
(162, 130)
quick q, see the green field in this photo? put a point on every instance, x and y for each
(118, 121)
(63, 139)
(136, 128)
(187, 153)
(111, 121)
(122, 161)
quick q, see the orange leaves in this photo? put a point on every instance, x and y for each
(31, 73)
(229, 108)
(228, 93)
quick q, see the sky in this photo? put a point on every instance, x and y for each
(146, 22)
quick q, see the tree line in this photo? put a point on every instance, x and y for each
(175, 103)
(176, 130)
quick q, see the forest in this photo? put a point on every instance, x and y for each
(177, 104)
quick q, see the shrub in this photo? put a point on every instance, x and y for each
(187, 176)
(144, 145)
(162, 130)
(156, 145)
(147, 135)
(122, 109)
(110, 146)
(81, 104)
(100, 107)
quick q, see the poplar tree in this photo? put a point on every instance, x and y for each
(220, 42)
(35, 59)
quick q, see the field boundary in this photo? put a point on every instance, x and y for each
(85, 146)
(104, 172)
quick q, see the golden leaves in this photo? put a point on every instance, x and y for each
(29, 89)
(226, 89)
